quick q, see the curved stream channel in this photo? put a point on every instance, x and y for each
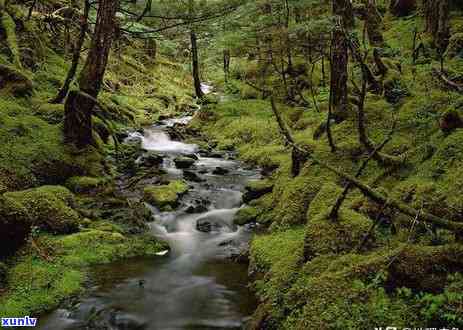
(193, 286)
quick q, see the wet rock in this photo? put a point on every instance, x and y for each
(183, 162)
(257, 189)
(220, 171)
(192, 176)
(196, 209)
(174, 133)
(126, 322)
(192, 156)
(236, 251)
(212, 223)
(151, 159)
(210, 154)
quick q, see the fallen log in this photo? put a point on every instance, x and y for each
(375, 195)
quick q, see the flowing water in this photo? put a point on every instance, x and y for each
(193, 286)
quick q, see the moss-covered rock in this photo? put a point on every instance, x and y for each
(246, 215)
(165, 196)
(49, 208)
(184, 162)
(85, 184)
(256, 189)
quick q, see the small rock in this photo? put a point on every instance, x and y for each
(151, 159)
(220, 171)
(183, 162)
(212, 223)
(192, 176)
(192, 156)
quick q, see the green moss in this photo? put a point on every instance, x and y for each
(49, 207)
(165, 196)
(9, 26)
(85, 184)
(51, 113)
(455, 47)
(42, 157)
(246, 215)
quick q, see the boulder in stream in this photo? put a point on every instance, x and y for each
(220, 171)
(165, 197)
(192, 176)
(183, 162)
(213, 223)
(151, 159)
(246, 215)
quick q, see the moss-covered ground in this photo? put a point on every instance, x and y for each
(311, 272)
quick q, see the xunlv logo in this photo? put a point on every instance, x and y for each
(19, 322)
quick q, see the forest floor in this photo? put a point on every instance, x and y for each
(373, 266)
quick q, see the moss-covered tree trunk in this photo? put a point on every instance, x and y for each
(338, 65)
(9, 29)
(374, 24)
(195, 64)
(62, 93)
(437, 21)
(79, 104)
(226, 63)
(402, 7)
(343, 8)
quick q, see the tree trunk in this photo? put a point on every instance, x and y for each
(75, 57)
(195, 64)
(374, 24)
(226, 63)
(437, 21)
(338, 84)
(402, 7)
(344, 9)
(79, 107)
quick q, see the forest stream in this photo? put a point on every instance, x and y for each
(195, 285)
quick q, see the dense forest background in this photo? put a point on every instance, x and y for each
(353, 110)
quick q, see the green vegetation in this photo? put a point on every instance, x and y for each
(371, 88)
